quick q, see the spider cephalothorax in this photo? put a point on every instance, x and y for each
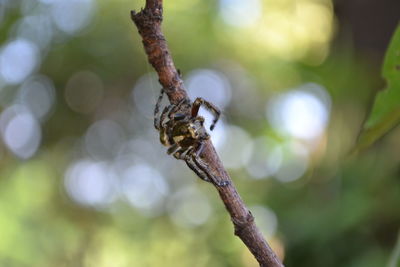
(183, 131)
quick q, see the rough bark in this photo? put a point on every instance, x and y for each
(148, 21)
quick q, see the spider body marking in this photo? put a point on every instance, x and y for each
(183, 131)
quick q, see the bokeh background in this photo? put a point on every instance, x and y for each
(85, 182)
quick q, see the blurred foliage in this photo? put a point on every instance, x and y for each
(385, 112)
(84, 181)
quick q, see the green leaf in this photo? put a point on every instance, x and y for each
(385, 113)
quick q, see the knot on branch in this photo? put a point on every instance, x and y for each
(243, 223)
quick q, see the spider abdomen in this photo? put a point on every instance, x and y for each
(182, 135)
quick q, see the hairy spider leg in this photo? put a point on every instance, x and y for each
(213, 109)
(167, 110)
(179, 154)
(173, 149)
(193, 156)
(201, 165)
(184, 154)
(163, 126)
(202, 175)
(157, 110)
(178, 107)
(188, 158)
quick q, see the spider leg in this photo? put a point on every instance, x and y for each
(162, 126)
(200, 165)
(190, 163)
(180, 153)
(173, 149)
(213, 109)
(178, 107)
(184, 154)
(157, 110)
(202, 175)
(167, 110)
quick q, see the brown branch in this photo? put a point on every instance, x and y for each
(148, 21)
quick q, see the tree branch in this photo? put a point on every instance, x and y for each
(148, 21)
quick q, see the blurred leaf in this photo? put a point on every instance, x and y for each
(385, 112)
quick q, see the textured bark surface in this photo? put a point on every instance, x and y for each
(148, 21)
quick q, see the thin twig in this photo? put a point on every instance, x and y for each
(148, 21)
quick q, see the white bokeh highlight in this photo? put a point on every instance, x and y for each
(21, 132)
(211, 85)
(189, 207)
(266, 220)
(239, 13)
(145, 94)
(38, 95)
(144, 188)
(48, 1)
(37, 29)
(302, 113)
(103, 139)
(18, 59)
(295, 162)
(71, 16)
(266, 158)
(218, 134)
(91, 183)
(236, 149)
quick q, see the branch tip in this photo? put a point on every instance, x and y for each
(133, 14)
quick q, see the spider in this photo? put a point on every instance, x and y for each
(183, 131)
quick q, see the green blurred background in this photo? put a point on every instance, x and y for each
(85, 182)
